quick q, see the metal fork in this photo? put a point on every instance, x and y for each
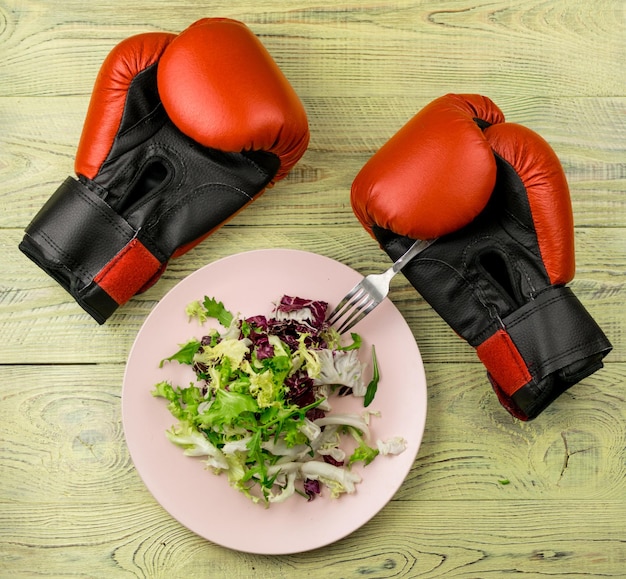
(370, 291)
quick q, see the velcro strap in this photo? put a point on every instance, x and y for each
(79, 230)
(543, 348)
(90, 249)
(504, 362)
(555, 331)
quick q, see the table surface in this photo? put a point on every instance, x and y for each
(71, 502)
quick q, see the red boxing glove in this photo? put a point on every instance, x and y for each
(495, 196)
(182, 132)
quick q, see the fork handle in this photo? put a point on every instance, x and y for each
(419, 246)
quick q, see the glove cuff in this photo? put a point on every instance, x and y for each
(90, 250)
(542, 349)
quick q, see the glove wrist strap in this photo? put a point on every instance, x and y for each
(543, 348)
(93, 252)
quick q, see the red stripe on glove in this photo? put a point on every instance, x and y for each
(504, 362)
(130, 271)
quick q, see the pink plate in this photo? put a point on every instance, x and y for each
(249, 283)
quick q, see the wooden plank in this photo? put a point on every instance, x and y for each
(416, 47)
(422, 539)
(34, 307)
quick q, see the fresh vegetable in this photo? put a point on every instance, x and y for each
(372, 387)
(259, 407)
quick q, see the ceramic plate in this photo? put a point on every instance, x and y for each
(249, 283)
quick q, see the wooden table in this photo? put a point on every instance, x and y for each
(71, 502)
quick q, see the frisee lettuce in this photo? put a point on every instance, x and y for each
(185, 354)
(259, 408)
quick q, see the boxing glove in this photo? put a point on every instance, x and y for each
(182, 132)
(495, 199)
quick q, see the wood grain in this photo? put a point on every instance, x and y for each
(71, 502)
(451, 515)
(536, 48)
(435, 539)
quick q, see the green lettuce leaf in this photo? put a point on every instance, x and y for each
(185, 354)
(215, 309)
(228, 407)
(373, 385)
(363, 452)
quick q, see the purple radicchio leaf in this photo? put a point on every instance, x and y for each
(257, 322)
(300, 389)
(317, 309)
(330, 460)
(311, 488)
(315, 413)
(263, 347)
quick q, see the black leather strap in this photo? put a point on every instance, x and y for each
(72, 238)
(560, 343)
(77, 231)
(553, 332)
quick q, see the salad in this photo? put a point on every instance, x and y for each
(260, 406)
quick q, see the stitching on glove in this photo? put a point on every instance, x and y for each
(199, 192)
(71, 264)
(583, 345)
(113, 222)
(262, 172)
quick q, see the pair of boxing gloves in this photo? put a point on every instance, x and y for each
(183, 131)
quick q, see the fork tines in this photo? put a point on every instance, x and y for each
(354, 307)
